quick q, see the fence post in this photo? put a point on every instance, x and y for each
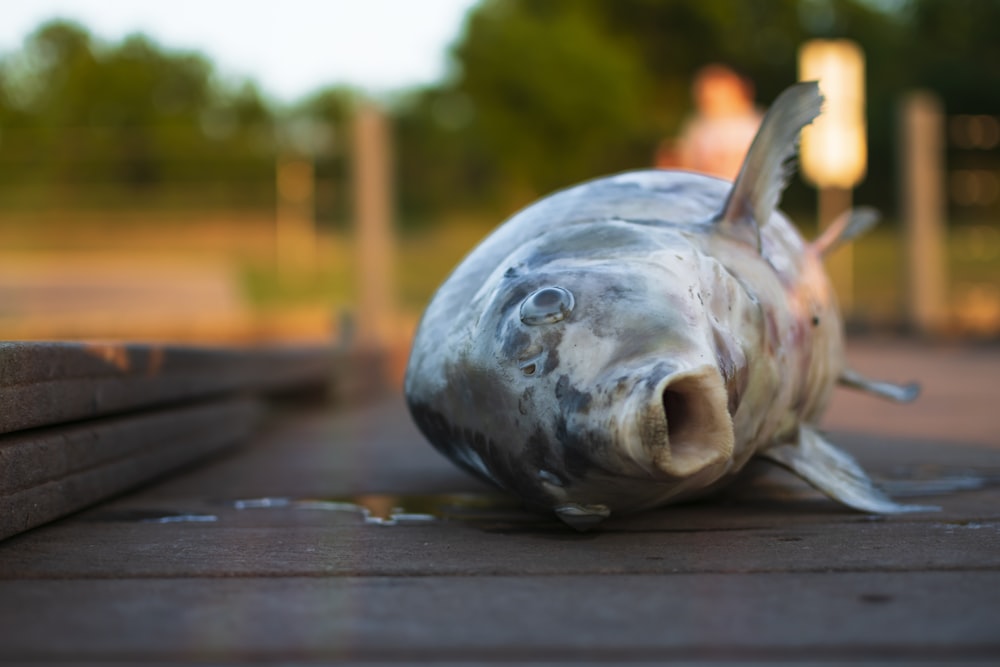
(295, 233)
(832, 202)
(373, 199)
(922, 158)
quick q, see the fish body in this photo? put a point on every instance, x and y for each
(637, 339)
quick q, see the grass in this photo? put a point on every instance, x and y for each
(423, 261)
(328, 276)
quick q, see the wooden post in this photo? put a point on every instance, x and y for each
(922, 158)
(840, 265)
(295, 232)
(373, 199)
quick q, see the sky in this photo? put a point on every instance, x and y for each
(289, 47)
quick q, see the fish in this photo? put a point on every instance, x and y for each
(635, 340)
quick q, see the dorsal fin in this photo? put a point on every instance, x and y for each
(848, 226)
(766, 169)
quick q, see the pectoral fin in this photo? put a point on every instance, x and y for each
(901, 393)
(847, 227)
(835, 473)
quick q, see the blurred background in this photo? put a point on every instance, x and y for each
(156, 186)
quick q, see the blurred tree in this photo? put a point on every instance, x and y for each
(563, 90)
(544, 93)
(90, 123)
(556, 97)
(320, 126)
(952, 48)
(443, 164)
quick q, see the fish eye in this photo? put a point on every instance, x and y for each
(547, 305)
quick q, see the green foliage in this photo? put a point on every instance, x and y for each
(443, 164)
(84, 123)
(543, 93)
(564, 90)
(953, 49)
(319, 126)
(556, 98)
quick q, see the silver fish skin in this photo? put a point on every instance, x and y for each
(635, 340)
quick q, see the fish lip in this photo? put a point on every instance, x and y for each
(684, 425)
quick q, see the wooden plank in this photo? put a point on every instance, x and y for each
(50, 383)
(956, 403)
(770, 572)
(612, 618)
(148, 541)
(375, 448)
(47, 473)
(29, 459)
(373, 455)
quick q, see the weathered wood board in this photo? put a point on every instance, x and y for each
(42, 384)
(46, 473)
(254, 558)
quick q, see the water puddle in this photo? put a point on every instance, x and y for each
(496, 512)
(915, 488)
(150, 516)
(953, 526)
(182, 518)
(393, 510)
(936, 480)
(371, 509)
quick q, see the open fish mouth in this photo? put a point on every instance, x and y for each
(685, 426)
(677, 437)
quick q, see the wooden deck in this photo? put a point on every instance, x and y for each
(263, 554)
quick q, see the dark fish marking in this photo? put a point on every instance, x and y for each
(661, 370)
(603, 321)
(581, 448)
(518, 473)
(571, 400)
(445, 437)
(525, 403)
(513, 340)
(551, 360)
(517, 293)
(575, 461)
(508, 472)
(578, 446)
(735, 375)
(539, 455)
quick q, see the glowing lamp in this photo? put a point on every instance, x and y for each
(834, 150)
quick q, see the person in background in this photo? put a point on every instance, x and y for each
(716, 138)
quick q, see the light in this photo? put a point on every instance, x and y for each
(834, 150)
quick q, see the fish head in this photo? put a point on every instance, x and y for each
(587, 383)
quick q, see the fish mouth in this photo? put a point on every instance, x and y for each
(686, 427)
